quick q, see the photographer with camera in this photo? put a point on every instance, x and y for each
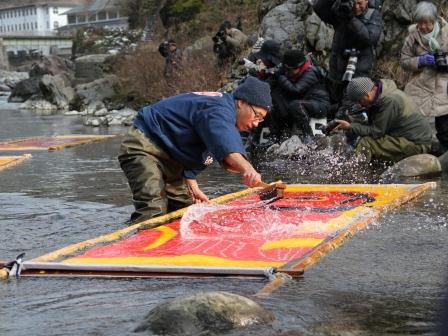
(395, 128)
(303, 91)
(173, 58)
(357, 32)
(228, 42)
(424, 55)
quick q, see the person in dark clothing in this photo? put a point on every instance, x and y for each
(303, 88)
(357, 27)
(173, 140)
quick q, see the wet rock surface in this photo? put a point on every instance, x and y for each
(204, 313)
(416, 165)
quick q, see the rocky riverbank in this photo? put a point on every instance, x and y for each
(83, 87)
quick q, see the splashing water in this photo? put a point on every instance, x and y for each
(202, 221)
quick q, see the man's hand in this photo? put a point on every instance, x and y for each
(196, 194)
(251, 178)
(235, 162)
(342, 124)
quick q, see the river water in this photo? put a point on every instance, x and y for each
(388, 279)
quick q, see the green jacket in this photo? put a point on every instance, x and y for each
(394, 114)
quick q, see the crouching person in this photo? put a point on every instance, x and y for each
(395, 128)
(173, 140)
(303, 86)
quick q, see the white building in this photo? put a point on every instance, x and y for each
(33, 18)
(99, 13)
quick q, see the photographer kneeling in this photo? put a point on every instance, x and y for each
(424, 54)
(395, 128)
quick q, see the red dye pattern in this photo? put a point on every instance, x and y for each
(242, 245)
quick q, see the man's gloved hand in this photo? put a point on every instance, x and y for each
(426, 60)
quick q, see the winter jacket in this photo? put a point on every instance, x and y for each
(394, 114)
(427, 87)
(309, 86)
(236, 39)
(361, 33)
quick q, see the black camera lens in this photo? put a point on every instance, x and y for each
(441, 61)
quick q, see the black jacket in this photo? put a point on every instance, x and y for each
(361, 33)
(309, 86)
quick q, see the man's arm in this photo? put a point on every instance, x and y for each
(384, 120)
(323, 10)
(235, 162)
(366, 34)
(301, 87)
(408, 60)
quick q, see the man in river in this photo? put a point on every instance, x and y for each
(173, 140)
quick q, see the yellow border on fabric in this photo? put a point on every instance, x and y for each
(83, 139)
(9, 161)
(372, 214)
(406, 192)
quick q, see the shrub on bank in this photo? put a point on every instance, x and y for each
(143, 81)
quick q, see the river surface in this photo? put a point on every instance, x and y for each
(388, 279)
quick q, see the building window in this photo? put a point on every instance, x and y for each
(55, 10)
(48, 25)
(113, 14)
(102, 15)
(55, 24)
(35, 25)
(35, 10)
(20, 26)
(71, 19)
(92, 18)
(82, 18)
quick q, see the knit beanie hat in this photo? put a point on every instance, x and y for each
(254, 92)
(293, 59)
(358, 88)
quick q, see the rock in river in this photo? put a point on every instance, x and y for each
(204, 313)
(416, 165)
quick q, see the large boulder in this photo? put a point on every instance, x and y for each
(57, 90)
(286, 22)
(204, 312)
(416, 165)
(52, 65)
(93, 95)
(24, 90)
(90, 67)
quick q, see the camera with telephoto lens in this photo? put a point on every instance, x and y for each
(350, 69)
(346, 7)
(164, 48)
(329, 127)
(440, 58)
(219, 44)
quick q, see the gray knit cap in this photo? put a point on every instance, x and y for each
(358, 88)
(254, 92)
